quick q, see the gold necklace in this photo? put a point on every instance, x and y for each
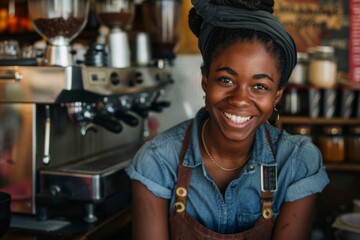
(211, 158)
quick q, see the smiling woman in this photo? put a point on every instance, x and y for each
(227, 173)
(240, 87)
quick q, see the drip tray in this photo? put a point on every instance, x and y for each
(89, 180)
(29, 222)
(100, 165)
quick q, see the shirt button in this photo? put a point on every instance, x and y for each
(251, 167)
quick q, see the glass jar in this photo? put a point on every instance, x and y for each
(323, 67)
(295, 100)
(304, 130)
(300, 72)
(353, 144)
(332, 144)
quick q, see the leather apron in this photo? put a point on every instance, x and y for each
(184, 227)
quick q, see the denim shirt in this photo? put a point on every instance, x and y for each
(299, 164)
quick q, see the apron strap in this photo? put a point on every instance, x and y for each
(269, 141)
(267, 197)
(184, 173)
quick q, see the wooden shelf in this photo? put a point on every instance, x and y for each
(318, 121)
(353, 167)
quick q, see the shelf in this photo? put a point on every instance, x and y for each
(354, 167)
(306, 120)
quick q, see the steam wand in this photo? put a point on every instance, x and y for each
(46, 158)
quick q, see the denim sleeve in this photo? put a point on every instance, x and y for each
(147, 168)
(309, 172)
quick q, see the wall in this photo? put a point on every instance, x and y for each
(185, 94)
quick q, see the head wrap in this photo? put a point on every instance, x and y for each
(236, 18)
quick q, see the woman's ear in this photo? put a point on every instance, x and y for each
(204, 82)
(278, 95)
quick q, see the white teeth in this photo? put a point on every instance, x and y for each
(236, 119)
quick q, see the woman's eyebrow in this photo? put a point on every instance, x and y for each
(263, 75)
(228, 70)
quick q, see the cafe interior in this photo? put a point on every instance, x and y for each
(85, 83)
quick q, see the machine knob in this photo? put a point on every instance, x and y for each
(114, 78)
(139, 77)
(125, 102)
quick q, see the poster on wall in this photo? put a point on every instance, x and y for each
(317, 22)
(354, 41)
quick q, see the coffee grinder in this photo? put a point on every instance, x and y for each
(162, 20)
(59, 22)
(117, 15)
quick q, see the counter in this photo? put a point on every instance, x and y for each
(115, 227)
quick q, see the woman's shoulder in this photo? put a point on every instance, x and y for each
(155, 163)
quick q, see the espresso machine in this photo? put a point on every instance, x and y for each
(66, 135)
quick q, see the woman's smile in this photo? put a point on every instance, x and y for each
(237, 119)
(234, 124)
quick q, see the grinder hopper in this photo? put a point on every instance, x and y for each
(59, 22)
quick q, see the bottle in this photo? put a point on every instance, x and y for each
(300, 73)
(332, 144)
(304, 130)
(323, 67)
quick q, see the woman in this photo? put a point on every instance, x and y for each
(227, 173)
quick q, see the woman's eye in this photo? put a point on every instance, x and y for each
(261, 87)
(225, 81)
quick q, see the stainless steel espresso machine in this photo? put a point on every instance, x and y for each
(66, 135)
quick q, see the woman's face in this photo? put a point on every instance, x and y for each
(241, 89)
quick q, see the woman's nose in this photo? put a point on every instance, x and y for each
(240, 98)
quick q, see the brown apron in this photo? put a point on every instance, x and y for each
(184, 227)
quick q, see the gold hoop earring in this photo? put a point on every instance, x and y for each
(274, 118)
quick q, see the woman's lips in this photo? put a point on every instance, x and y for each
(237, 119)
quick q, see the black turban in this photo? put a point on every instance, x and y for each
(237, 18)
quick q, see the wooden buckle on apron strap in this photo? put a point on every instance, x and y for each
(179, 207)
(180, 195)
(267, 201)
